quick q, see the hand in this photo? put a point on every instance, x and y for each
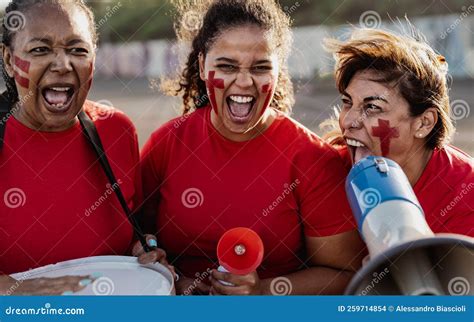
(249, 284)
(153, 256)
(189, 286)
(44, 286)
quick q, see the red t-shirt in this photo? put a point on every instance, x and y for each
(282, 184)
(445, 190)
(56, 202)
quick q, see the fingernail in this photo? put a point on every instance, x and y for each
(152, 243)
(96, 275)
(85, 282)
(67, 293)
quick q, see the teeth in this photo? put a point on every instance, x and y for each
(60, 89)
(241, 99)
(355, 143)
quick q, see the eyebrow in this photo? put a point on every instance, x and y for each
(49, 42)
(233, 61)
(369, 98)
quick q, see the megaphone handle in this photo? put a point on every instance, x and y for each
(223, 270)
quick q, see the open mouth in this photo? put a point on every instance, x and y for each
(240, 107)
(58, 98)
(357, 150)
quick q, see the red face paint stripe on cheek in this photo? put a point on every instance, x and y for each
(213, 83)
(385, 133)
(23, 65)
(22, 81)
(267, 88)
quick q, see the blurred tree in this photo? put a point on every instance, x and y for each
(152, 19)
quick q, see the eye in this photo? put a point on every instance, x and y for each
(372, 108)
(261, 69)
(227, 68)
(39, 50)
(346, 103)
(79, 51)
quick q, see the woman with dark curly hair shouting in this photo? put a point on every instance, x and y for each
(236, 159)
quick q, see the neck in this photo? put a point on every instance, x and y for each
(416, 163)
(34, 124)
(264, 123)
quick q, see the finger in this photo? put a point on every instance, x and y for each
(234, 279)
(152, 257)
(138, 250)
(203, 288)
(222, 289)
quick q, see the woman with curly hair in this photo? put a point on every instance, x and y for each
(236, 159)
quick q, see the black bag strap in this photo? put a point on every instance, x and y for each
(90, 131)
(4, 111)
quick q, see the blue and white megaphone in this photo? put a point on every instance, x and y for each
(406, 257)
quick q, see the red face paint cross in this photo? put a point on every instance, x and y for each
(23, 66)
(385, 133)
(213, 83)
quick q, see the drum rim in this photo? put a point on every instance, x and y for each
(163, 270)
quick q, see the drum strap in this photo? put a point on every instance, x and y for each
(4, 110)
(91, 134)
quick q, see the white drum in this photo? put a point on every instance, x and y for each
(116, 275)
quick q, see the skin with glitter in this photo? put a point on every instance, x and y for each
(385, 133)
(211, 84)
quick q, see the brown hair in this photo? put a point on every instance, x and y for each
(214, 18)
(406, 61)
(14, 20)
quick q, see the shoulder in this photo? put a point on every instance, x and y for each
(106, 116)
(179, 127)
(303, 141)
(454, 161)
(114, 127)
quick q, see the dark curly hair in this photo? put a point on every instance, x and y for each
(14, 21)
(209, 20)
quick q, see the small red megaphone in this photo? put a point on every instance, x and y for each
(240, 251)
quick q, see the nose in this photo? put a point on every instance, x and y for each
(244, 79)
(350, 119)
(62, 62)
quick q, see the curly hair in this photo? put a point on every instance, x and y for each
(212, 18)
(16, 10)
(418, 71)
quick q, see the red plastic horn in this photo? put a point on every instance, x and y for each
(240, 251)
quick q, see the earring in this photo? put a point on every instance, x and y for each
(419, 135)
